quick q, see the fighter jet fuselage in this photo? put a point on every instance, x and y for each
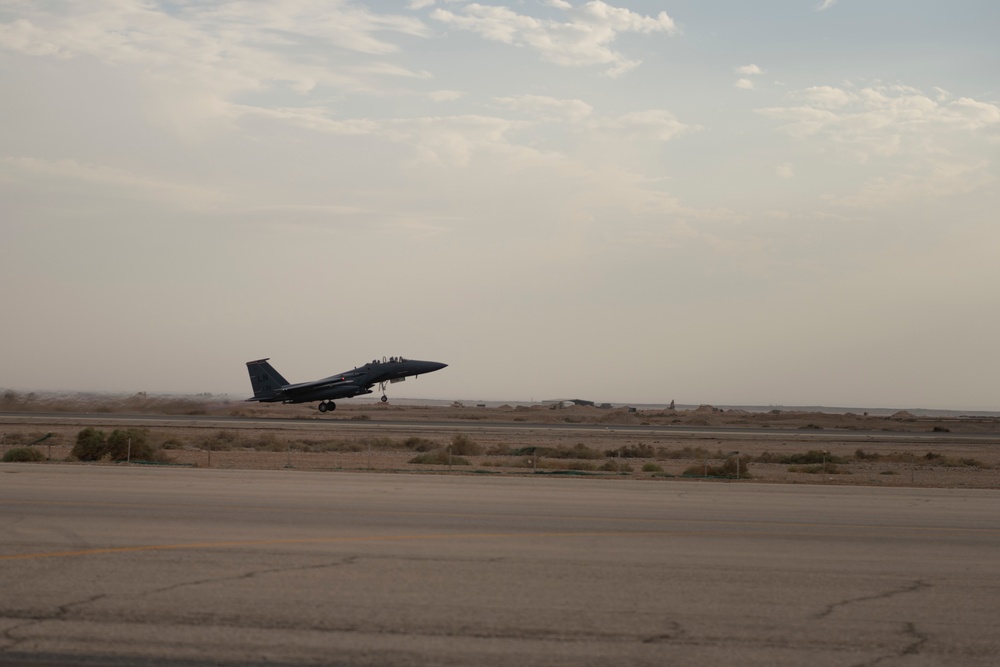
(270, 387)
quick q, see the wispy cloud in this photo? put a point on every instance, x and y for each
(218, 51)
(746, 83)
(924, 145)
(585, 38)
(826, 5)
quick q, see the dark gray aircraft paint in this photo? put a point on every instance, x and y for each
(270, 387)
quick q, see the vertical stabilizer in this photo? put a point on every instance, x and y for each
(264, 379)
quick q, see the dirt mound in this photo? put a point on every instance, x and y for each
(620, 416)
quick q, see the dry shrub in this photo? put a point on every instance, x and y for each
(728, 469)
(420, 444)
(686, 453)
(812, 457)
(463, 445)
(638, 451)
(615, 466)
(828, 469)
(439, 457)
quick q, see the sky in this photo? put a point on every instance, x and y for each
(784, 202)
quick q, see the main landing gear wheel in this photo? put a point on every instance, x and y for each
(329, 405)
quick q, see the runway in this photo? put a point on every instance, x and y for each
(321, 423)
(108, 565)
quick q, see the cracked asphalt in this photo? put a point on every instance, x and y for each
(131, 565)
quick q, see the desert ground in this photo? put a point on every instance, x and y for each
(664, 445)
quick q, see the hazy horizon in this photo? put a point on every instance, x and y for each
(630, 201)
(394, 398)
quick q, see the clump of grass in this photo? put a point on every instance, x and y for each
(651, 467)
(23, 455)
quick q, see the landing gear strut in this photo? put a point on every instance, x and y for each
(381, 385)
(329, 405)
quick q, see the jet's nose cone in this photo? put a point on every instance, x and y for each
(420, 367)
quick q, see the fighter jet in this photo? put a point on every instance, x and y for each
(270, 387)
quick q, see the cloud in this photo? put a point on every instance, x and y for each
(745, 83)
(93, 179)
(648, 125)
(548, 109)
(786, 171)
(195, 58)
(582, 40)
(880, 119)
(911, 144)
(445, 95)
(826, 5)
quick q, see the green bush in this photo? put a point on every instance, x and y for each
(651, 467)
(23, 455)
(91, 445)
(130, 443)
(123, 444)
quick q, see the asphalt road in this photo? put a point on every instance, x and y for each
(115, 565)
